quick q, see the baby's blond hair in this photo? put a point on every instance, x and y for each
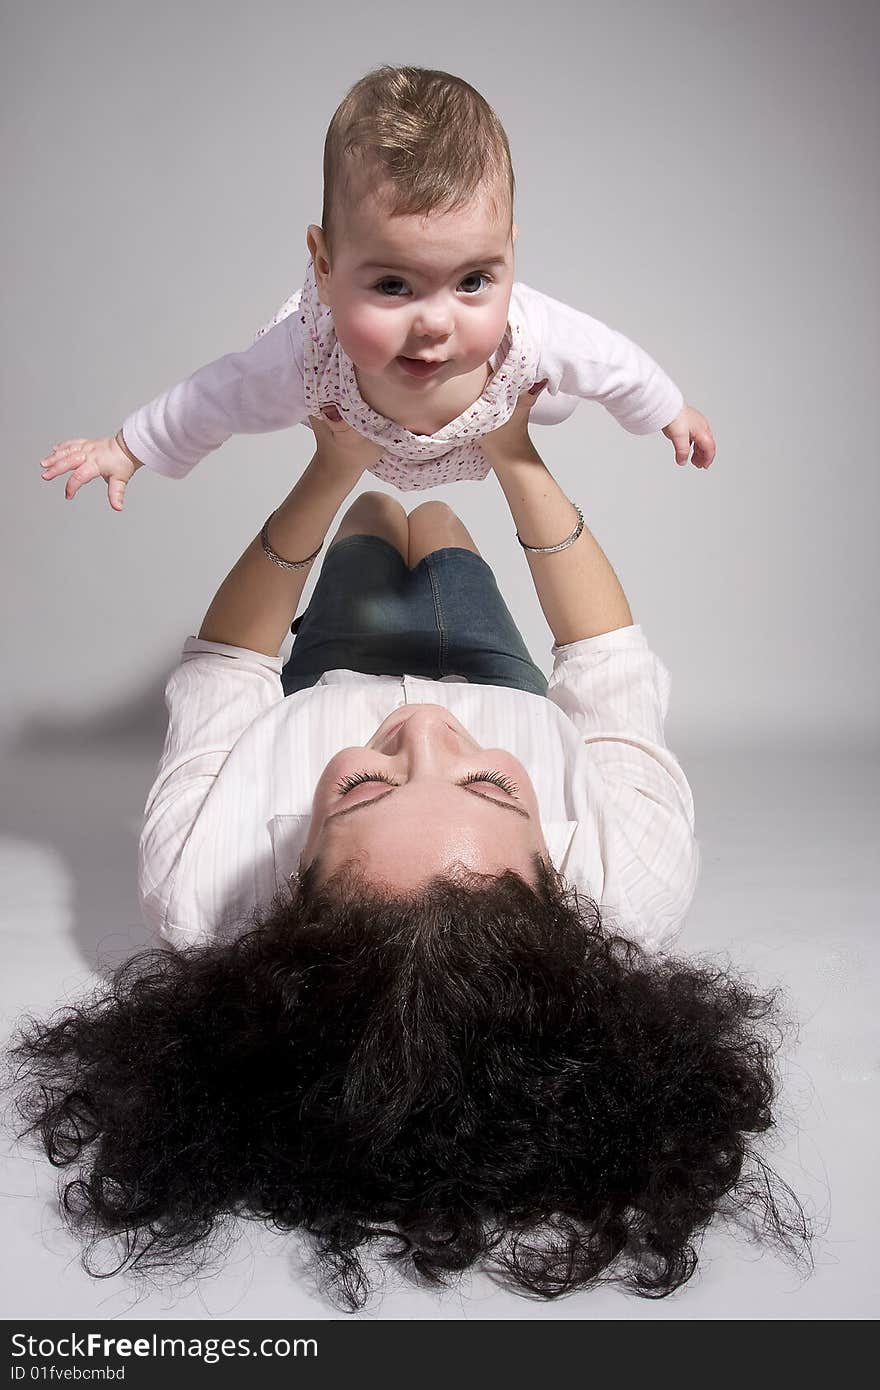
(433, 140)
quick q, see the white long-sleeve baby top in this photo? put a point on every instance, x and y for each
(296, 365)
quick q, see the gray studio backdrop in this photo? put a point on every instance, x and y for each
(699, 175)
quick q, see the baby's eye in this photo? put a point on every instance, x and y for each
(389, 280)
(396, 284)
(477, 275)
(352, 780)
(496, 778)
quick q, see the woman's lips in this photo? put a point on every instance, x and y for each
(418, 368)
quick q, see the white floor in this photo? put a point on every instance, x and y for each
(788, 892)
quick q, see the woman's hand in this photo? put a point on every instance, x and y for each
(511, 440)
(341, 448)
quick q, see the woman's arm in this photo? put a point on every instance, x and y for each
(615, 691)
(578, 590)
(257, 600)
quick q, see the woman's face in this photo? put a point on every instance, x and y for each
(435, 800)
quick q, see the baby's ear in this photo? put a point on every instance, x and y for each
(317, 248)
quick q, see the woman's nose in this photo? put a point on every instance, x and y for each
(425, 741)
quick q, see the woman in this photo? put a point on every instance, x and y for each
(232, 813)
(418, 895)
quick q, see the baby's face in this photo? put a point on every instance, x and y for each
(403, 287)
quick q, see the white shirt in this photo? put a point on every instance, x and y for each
(296, 364)
(227, 816)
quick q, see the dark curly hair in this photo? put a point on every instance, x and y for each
(482, 1073)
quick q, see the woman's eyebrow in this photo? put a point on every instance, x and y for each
(504, 805)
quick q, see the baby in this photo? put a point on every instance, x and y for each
(409, 325)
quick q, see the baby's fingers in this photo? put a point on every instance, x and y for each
(704, 452)
(64, 457)
(83, 474)
(115, 493)
(64, 445)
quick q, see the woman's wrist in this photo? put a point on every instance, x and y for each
(541, 512)
(308, 509)
(340, 467)
(576, 586)
(506, 457)
(255, 604)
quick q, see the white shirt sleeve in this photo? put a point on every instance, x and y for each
(581, 356)
(251, 392)
(215, 693)
(616, 692)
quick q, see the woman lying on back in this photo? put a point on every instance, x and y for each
(422, 902)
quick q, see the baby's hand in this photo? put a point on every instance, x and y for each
(85, 459)
(688, 427)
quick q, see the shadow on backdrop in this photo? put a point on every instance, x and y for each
(77, 787)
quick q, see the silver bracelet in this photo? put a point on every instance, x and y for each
(563, 545)
(276, 559)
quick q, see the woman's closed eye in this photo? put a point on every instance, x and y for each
(497, 778)
(348, 783)
(357, 779)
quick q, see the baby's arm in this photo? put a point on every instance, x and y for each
(581, 356)
(251, 392)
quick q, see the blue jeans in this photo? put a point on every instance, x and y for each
(369, 612)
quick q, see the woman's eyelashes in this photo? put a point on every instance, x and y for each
(348, 783)
(497, 778)
(356, 779)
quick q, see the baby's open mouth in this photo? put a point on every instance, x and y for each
(417, 366)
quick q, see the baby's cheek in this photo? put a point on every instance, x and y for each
(367, 340)
(479, 340)
(493, 331)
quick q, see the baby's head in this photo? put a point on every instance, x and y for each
(415, 255)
